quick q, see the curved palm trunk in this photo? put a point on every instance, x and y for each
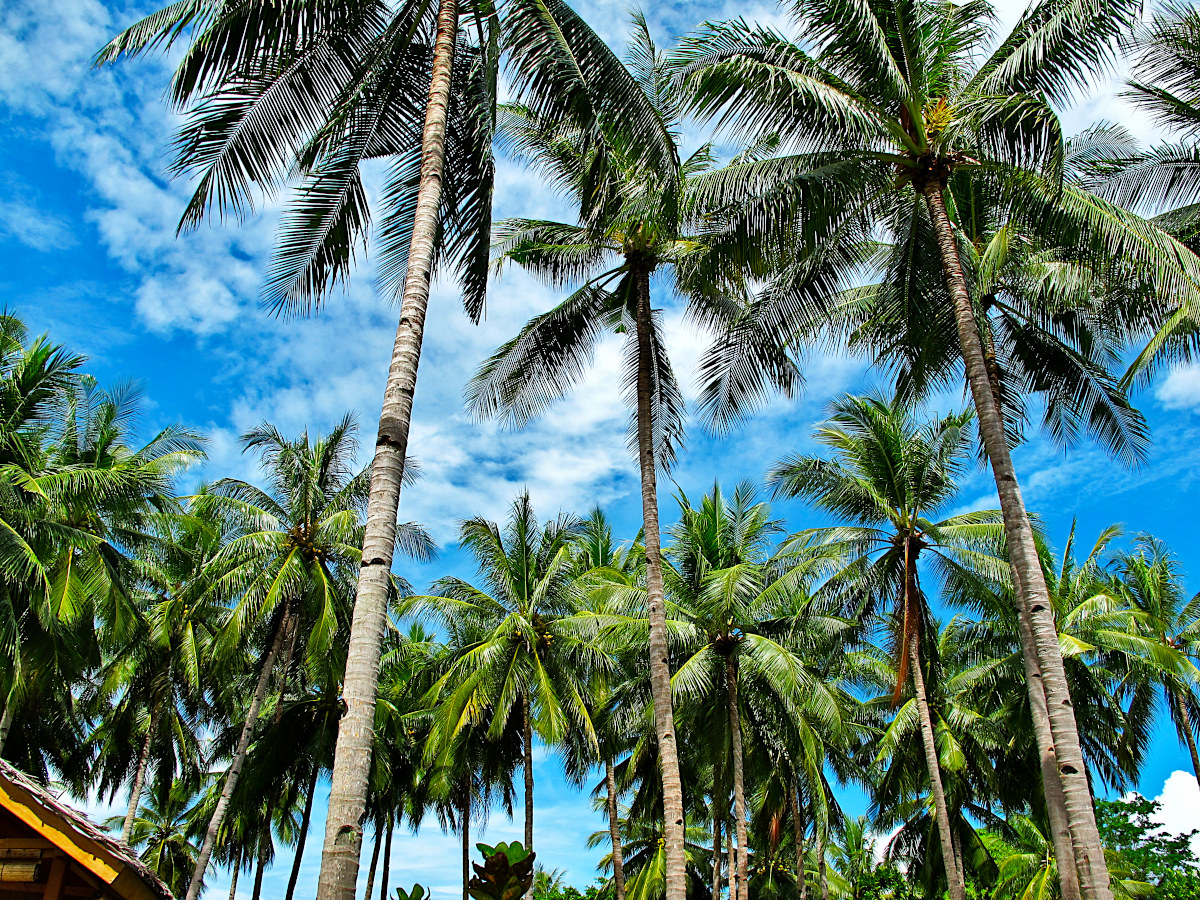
(139, 778)
(356, 731)
(305, 820)
(1185, 728)
(1031, 585)
(933, 767)
(798, 834)
(239, 759)
(1056, 805)
(660, 671)
(374, 862)
(387, 860)
(739, 778)
(614, 830)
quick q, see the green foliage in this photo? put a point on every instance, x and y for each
(886, 882)
(1128, 829)
(417, 893)
(506, 873)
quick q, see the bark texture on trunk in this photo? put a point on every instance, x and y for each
(239, 759)
(716, 854)
(731, 861)
(465, 827)
(1185, 726)
(528, 754)
(356, 731)
(1056, 807)
(264, 853)
(660, 670)
(928, 740)
(234, 880)
(798, 835)
(302, 839)
(139, 777)
(739, 777)
(822, 867)
(370, 891)
(387, 860)
(1032, 592)
(614, 830)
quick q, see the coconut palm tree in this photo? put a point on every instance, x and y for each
(890, 476)
(520, 651)
(289, 566)
(1150, 581)
(640, 215)
(900, 96)
(319, 90)
(161, 834)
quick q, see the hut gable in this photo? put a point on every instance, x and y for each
(49, 850)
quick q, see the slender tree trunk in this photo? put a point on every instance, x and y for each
(465, 817)
(941, 809)
(614, 830)
(716, 853)
(739, 777)
(305, 820)
(660, 670)
(234, 880)
(264, 848)
(352, 757)
(528, 759)
(1185, 727)
(798, 834)
(387, 860)
(6, 718)
(1056, 806)
(139, 778)
(370, 892)
(239, 759)
(731, 861)
(1090, 863)
(822, 867)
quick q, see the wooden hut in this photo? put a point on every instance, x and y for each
(48, 850)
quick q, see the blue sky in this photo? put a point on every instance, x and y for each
(88, 252)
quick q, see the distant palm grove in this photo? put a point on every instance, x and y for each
(888, 179)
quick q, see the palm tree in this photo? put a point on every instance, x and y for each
(890, 476)
(1149, 579)
(319, 90)
(741, 631)
(900, 95)
(638, 214)
(520, 650)
(290, 565)
(161, 832)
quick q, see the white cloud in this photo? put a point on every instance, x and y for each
(1180, 809)
(34, 227)
(1181, 388)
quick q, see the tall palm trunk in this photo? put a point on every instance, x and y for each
(716, 853)
(527, 737)
(1185, 727)
(6, 718)
(234, 880)
(239, 759)
(660, 671)
(465, 827)
(264, 854)
(932, 765)
(374, 862)
(1056, 804)
(614, 830)
(1030, 583)
(739, 778)
(731, 861)
(352, 757)
(139, 777)
(822, 866)
(302, 839)
(387, 859)
(798, 834)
